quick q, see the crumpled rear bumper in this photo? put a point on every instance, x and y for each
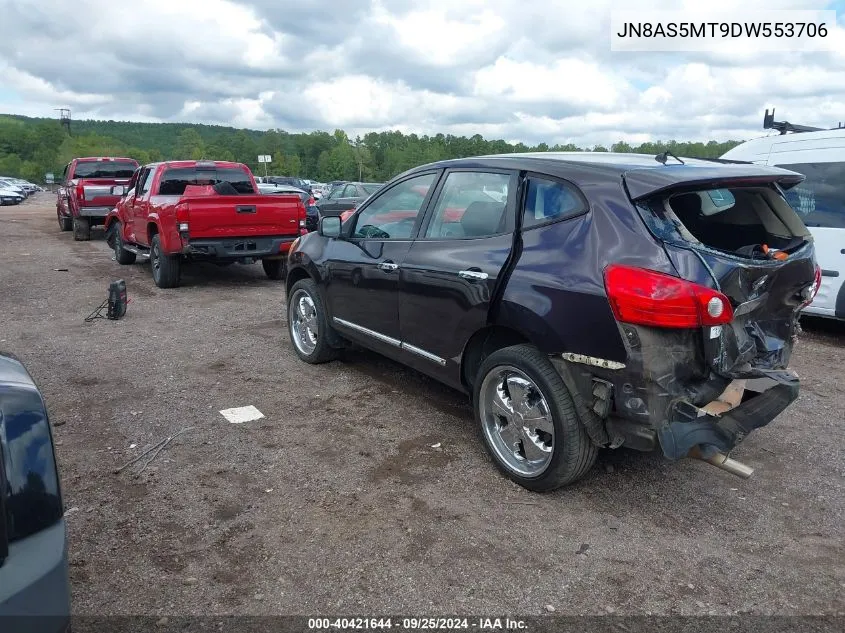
(764, 400)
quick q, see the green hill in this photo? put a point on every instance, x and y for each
(31, 147)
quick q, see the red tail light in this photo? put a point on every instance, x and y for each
(646, 297)
(311, 201)
(814, 290)
(80, 191)
(302, 220)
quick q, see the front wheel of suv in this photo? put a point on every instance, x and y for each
(308, 324)
(528, 421)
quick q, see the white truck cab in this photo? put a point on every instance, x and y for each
(819, 155)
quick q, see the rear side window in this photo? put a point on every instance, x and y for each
(31, 492)
(371, 189)
(471, 204)
(174, 181)
(104, 169)
(148, 180)
(820, 199)
(549, 201)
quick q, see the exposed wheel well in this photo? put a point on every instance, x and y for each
(481, 345)
(152, 229)
(297, 274)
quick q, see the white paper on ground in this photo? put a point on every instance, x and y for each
(239, 415)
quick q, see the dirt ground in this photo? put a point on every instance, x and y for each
(337, 503)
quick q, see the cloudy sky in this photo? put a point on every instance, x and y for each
(522, 70)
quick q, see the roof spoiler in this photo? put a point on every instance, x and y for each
(783, 127)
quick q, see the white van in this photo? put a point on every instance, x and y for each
(820, 200)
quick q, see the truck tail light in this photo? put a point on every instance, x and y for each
(80, 191)
(303, 216)
(646, 297)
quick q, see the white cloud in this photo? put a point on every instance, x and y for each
(522, 70)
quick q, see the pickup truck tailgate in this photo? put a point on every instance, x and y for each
(96, 192)
(222, 216)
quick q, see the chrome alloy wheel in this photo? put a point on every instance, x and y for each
(517, 421)
(303, 322)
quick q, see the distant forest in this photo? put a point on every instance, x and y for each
(31, 147)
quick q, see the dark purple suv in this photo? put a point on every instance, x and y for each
(583, 300)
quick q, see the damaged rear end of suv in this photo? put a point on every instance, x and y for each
(708, 344)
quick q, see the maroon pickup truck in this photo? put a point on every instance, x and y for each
(85, 197)
(201, 210)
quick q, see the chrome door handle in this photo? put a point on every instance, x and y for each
(473, 274)
(388, 266)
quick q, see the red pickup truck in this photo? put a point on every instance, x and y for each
(201, 210)
(85, 197)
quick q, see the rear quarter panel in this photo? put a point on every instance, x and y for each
(555, 294)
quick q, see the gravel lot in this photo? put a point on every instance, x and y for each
(337, 503)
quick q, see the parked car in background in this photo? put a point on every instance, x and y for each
(290, 181)
(610, 300)
(312, 216)
(819, 200)
(27, 186)
(34, 581)
(10, 196)
(201, 210)
(87, 189)
(10, 184)
(318, 189)
(346, 196)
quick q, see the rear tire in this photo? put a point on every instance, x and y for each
(65, 223)
(528, 422)
(167, 269)
(308, 324)
(81, 229)
(121, 255)
(274, 268)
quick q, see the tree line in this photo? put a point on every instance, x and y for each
(32, 147)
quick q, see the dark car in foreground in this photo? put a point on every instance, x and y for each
(595, 301)
(33, 543)
(346, 196)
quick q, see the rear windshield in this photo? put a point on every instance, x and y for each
(175, 180)
(820, 199)
(104, 169)
(745, 221)
(30, 492)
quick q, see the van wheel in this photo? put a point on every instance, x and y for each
(528, 421)
(65, 223)
(121, 255)
(274, 268)
(167, 269)
(81, 229)
(308, 324)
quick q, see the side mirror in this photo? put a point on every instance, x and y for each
(330, 226)
(119, 190)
